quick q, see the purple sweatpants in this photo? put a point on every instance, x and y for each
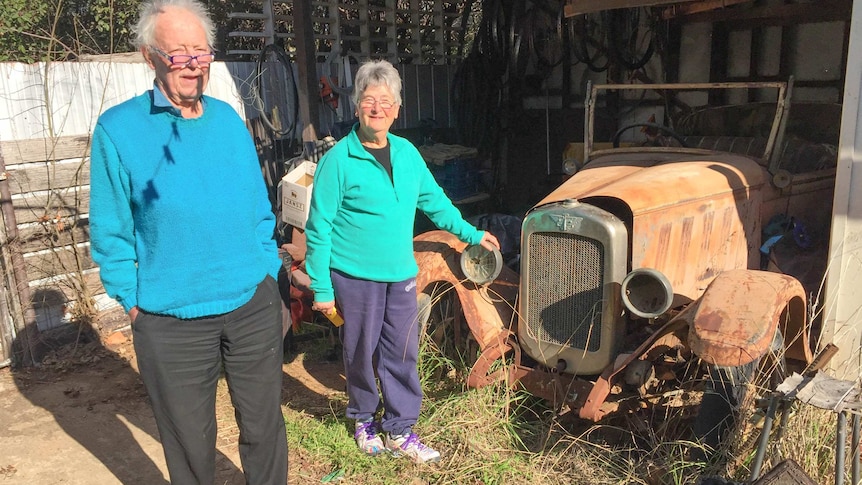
(381, 333)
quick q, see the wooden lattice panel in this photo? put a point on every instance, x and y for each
(404, 31)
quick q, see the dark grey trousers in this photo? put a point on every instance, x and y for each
(180, 363)
(380, 332)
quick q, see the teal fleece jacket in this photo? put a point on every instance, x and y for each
(361, 222)
(180, 220)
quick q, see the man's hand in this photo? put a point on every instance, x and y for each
(489, 241)
(133, 313)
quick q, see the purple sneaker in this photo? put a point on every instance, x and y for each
(367, 439)
(409, 445)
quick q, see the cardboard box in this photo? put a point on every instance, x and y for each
(296, 189)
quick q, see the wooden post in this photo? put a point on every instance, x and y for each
(307, 70)
(26, 329)
(6, 323)
(269, 22)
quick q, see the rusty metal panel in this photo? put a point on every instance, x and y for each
(735, 321)
(724, 232)
(488, 309)
(633, 177)
(635, 173)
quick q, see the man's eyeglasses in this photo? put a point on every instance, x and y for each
(183, 60)
(369, 103)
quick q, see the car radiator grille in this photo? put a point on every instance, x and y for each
(565, 291)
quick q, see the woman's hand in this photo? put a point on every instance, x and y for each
(323, 306)
(489, 241)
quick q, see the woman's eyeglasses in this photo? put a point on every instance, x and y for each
(368, 103)
(183, 60)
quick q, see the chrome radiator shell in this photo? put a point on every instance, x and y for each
(574, 258)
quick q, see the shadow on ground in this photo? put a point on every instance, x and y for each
(96, 397)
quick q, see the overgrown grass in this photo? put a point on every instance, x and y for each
(493, 435)
(809, 438)
(497, 435)
(487, 436)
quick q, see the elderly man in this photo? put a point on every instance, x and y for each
(182, 230)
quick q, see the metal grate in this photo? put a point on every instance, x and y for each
(566, 274)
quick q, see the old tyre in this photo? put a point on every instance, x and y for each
(445, 330)
(727, 391)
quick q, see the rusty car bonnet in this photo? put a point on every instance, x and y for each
(631, 177)
(712, 186)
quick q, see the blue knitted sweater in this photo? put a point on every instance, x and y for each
(361, 222)
(180, 221)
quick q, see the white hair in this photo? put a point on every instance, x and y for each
(144, 31)
(377, 73)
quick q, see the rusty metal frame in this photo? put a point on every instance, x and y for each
(669, 335)
(776, 134)
(488, 309)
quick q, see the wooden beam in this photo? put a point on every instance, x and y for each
(696, 7)
(580, 7)
(45, 149)
(306, 71)
(718, 62)
(52, 206)
(47, 236)
(49, 176)
(58, 261)
(771, 15)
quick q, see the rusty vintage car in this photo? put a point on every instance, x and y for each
(658, 261)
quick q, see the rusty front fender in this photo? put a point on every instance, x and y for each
(488, 309)
(735, 320)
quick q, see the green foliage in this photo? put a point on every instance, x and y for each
(42, 30)
(19, 19)
(106, 24)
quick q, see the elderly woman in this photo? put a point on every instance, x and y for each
(367, 189)
(182, 230)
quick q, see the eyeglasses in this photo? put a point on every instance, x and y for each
(183, 60)
(369, 103)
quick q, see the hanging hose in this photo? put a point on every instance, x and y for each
(259, 93)
(341, 90)
(588, 41)
(545, 34)
(627, 36)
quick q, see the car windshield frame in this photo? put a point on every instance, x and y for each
(776, 133)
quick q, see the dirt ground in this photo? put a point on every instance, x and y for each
(82, 417)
